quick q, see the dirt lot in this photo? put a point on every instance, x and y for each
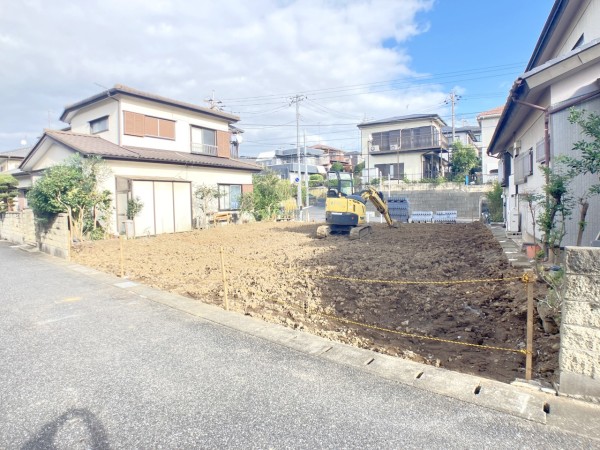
(280, 273)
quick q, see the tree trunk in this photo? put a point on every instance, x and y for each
(582, 215)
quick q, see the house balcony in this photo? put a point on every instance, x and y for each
(412, 143)
(204, 149)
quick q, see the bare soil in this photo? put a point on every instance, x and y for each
(281, 273)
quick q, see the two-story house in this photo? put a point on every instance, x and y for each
(158, 150)
(488, 120)
(407, 147)
(533, 129)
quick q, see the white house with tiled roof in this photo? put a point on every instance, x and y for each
(157, 149)
(487, 122)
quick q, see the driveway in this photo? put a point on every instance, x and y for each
(89, 362)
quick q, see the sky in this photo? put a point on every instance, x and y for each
(347, 60)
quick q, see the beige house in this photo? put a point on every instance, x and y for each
(158, 150)
(405, 147)
(533, 129)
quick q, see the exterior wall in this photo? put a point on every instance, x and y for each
(153, 171)
(55, 154)
(413, 164)
(579, 359)
(183, 120)
(581, 83)
(488, 163)
(21, 228)
(585, 23)
(9, 164)
(109, 107)
(564, 136)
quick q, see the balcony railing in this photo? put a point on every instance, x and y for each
(408, 143)
(204, 149)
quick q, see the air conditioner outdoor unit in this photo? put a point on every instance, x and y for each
(394, 147)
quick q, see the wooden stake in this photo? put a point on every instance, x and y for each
(529, 357)
(225, 299)
(121, 256)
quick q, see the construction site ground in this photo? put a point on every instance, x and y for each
(440, 294)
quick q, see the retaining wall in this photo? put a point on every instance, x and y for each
(465, 200)
(579, 359)
(21, 228)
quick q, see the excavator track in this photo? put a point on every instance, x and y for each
(360, 232)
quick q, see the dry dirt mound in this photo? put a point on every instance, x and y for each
(282, 273)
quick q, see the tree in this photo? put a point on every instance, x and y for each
(495, 203)
(206, 194)
(71, 187)
(268, 193)
(464, 159)
(337, 166)
(556, 209)
(8, 191)
(359, 168)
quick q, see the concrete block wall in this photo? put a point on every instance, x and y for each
(52, 237)
(465, 200)
(579, 359)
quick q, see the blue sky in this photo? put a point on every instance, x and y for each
(352, 59)
(491, 41)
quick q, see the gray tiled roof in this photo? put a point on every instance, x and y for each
(126, 90)
(87, 144)
(18, 153)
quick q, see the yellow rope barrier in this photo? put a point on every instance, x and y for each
(362, 280)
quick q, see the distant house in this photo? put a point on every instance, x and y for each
(10, 160)
(157, 149)
(468, 135)
(533, 129)
(405, 147)
(285, 162)
(9, 163)
(489, 164)
(335, 155)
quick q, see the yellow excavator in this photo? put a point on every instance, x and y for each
(346, 211)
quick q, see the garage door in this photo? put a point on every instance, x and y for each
(167, 206)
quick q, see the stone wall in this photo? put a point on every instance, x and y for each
(580, 325)
(21, 228)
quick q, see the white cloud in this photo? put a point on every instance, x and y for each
(51, 54)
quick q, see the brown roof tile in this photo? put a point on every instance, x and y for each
(94, 145)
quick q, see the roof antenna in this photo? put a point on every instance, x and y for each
(213, 103)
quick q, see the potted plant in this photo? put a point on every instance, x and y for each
(134, 206)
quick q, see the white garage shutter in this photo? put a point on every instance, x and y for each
(163, 202)
(183, 206)
(144, 221)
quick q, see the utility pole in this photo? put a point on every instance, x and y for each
(305, 169)
(453, 99)
(297, 99)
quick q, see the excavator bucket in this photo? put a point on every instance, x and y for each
(360, 232)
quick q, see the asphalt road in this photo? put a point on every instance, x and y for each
(86, 364)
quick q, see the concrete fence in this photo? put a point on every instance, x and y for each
(580, 326)
(51, 237)
(465, 200)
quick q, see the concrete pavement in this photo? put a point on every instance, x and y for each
(90, 360)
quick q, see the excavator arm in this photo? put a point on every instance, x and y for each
(373, 196)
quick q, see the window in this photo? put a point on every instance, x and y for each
(99, 125)
(523, 166)
(204, 141)
(229, 196)
(141, 125)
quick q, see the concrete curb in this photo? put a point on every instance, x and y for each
(524, 401)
